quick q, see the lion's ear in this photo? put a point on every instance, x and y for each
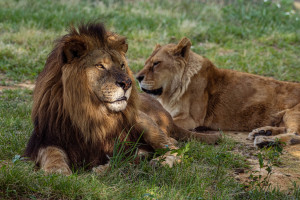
(183, 48)
(118, 43)
(124, 47)
(157, 46)
(72, 49)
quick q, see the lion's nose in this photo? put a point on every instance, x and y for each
(125, 84)
(140, 78)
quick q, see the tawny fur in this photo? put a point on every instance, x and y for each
(196, 93)
(77, 109)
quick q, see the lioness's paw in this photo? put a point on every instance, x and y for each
(64, 170)
(263, 141)
(164, 160)
(259, 132)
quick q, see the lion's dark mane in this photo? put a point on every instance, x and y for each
(86, 142)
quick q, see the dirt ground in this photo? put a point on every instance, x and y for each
(25, 85)
(283, 175)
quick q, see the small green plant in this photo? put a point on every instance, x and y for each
(268, 157)
(124, 152)
(180, 152)
(220, 157)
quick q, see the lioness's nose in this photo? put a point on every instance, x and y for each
(125, 84)
(140, 78)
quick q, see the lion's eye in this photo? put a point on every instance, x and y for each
(100, 66)
(122, 66)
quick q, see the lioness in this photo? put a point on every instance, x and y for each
(85, 98)
(196, 93)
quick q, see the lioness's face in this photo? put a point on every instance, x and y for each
(108, 79)
(164, 69)
(157, 72)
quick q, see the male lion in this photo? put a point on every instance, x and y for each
(86, 97)
(196, 94)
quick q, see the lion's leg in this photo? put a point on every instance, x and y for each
(289, 134)
(173, 141)
(53, 160)
(152, 134)
(157, 139)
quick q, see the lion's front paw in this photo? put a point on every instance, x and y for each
(164, 160)
(101, 169)
(65, 170)
(259, 132)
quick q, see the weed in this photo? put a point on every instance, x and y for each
(124, 152)
(267, 158)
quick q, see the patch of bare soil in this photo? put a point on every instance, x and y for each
(297, 4)
(10, 86)
(283, 176)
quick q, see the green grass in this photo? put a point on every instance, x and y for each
(15, 107)
(262, 38)
(202, 174)
(252, 36)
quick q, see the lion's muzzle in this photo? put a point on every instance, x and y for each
(117, 100)
(125, 83)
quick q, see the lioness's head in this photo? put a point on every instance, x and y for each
(164, 68)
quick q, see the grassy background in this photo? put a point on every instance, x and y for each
(261, 37)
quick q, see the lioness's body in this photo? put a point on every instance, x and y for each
(196, 93)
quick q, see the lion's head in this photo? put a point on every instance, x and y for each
(86, 92)
(164, 69)
(105, 77)
(99, 61)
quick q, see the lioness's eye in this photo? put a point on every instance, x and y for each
(100, 66)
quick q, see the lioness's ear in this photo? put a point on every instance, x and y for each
(74, 48)
(118, 43)
(183, 48)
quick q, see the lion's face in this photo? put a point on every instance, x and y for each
(108, 79)
(164, 68)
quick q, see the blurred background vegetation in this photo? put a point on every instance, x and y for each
(260, 36)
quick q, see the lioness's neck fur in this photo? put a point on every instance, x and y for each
(193, 66)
